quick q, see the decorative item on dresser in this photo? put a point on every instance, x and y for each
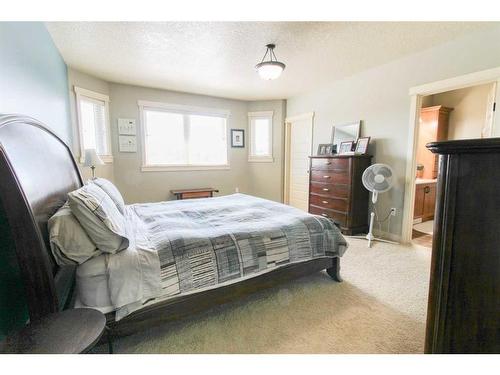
(463, 314)
(336, 190)
(194, 193)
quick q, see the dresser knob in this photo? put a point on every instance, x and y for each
(326, 176)
(326, 189)
(324, 202)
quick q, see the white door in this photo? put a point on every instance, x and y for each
(298, 150)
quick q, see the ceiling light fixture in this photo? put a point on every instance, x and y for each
(270, 69)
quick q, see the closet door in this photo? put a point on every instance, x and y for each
(298, 150)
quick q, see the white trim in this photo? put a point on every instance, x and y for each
(94, 96)
(455, 83)
(495, 123)
(268, 115)
(303, 116)
(416, 93)
(261, 159)
(263, 114)
(288, 122)
(91, 94)
(185, 109)
(411, 169)
(180, 168)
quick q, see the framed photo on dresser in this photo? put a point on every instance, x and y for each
(362, 145)
(326, 149)
(346, 147)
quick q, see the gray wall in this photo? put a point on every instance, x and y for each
(138, 186)
(379, 97)
(260, 179)
(266, 179)
(83, 80)
(33, 82)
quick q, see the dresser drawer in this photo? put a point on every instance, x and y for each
(321, 164)
(338, 217)
(331, 176)
(331, 190)
(327, 202)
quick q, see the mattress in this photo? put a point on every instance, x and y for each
(182, 247)
(92, 285)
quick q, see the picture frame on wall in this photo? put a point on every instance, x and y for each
(238, 138)
(362, 145)
(346, 147)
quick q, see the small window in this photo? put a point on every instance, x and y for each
(261, 136)
(93, 123)
(178, 137)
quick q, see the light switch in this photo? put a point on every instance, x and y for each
(126, 126)
(127, 143)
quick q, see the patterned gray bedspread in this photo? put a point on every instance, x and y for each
(204, 242)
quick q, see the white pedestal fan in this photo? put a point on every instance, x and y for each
(377, 178)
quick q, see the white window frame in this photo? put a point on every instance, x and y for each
(81, 93)
(185, 110)
(254, 116)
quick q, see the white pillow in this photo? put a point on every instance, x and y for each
(100, 218)
(112, 191)
(68, 241)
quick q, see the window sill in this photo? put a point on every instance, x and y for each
(260, 159)
(186, 168)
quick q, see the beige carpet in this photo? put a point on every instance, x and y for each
(379, 308)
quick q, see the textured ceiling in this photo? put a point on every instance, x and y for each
(218, 58)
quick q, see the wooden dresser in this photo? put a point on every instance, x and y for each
(463, 314)
(336, 190)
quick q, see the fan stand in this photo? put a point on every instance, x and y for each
(370, 237)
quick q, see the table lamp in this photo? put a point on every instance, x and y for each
(91, 160)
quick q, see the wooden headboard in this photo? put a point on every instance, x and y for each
(37, 170)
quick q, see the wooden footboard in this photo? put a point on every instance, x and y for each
(182, 306)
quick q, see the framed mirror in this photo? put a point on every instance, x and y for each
(345, 132)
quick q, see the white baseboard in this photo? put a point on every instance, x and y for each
(387, 235)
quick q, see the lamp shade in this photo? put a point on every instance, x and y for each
(269, 70)
(272, 68)
(91, 158)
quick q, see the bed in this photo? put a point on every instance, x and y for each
(252, 236)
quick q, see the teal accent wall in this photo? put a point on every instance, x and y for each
(33, 82)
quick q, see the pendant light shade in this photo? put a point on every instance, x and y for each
(272, 68)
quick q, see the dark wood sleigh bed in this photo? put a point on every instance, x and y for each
(37, 171)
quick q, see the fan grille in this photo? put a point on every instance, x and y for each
(378, 178)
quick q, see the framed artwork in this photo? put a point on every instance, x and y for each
(325, 149)
(362, 145)
(345, 147)
(237, 138)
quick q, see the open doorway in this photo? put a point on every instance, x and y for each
(465, 113)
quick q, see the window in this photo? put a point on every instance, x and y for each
(261, 136)
(179, 137)
(93, 123)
